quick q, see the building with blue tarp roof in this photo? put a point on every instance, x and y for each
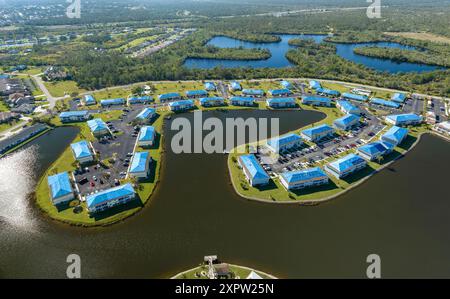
(89, 100)
(346, 165)
(404, 119)
(82, 151)
(253, 171)
(112, 102)
(242, 101)
(300, 179)
(146, 137)
(374, 150)
(385, 103)
(314, 84)
(235, 86)
(61, 190)
(98, 127)
(281, 103)
(316, 101)
(280, 92)
(104, 200)
(74, 116)
(346, 122)
(210, 86)
(398, 97)
(191, 94)
(181, 105)
(167, 97)
(354, 97)
(283, 143)
(327, 92)
(212, 101)
(257, 93)
(315, 134)
(139, 100)
(286, 84)
(347, 107)
(146, 115)
(140, 165)
(395, 135)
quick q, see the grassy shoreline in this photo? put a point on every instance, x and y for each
(240, 271)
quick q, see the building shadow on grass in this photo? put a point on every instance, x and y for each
(270, 186)
(352, 178)
(408, 142)
(135, 203)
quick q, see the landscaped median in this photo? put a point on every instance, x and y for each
(275, 192)
(66, 162)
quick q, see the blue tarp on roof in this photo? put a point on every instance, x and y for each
(236, 85)
(317, 130)
(89, 99)
(253, 167)
(347, 106)
(81, 149)
(346, 163)
(146, 133)
(59, 185)
(398, 97)
(107, 102)
(242, 99)
(196, 93)
(181, 103)
(147, 113)
(356, 97)
(211, 100)
(97, 125)
(110, 194)
(314, 84)
(139, 162)
(401, 118)
(275, 92)
(304, 175)
(286, 84)
(375, 148)
(82, 113)
(329, 92)
(396, 134)
(316, 99)
(255, 92)
(278, 142)
(346, 120)
(382, 102)
(210, 86)
(167, 96)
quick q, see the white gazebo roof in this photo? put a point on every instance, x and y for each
(253, 275)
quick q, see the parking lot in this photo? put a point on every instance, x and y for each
(114, 151)
(413, 105)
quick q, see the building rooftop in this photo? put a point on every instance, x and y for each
(317, 130)
(314, 84)
(404, 117)
(253, 91)
(278, 142)
(146, 133)
(280, 91)
(235, 85)
(107, 195)
(89, 99)
(140, 99)
(304, 175)
(253, 167)
(118, 101)
(383, 102)
(346, 120)
(346, 162)
(375, 148)
(346, 105)
(81, 113)
(356, 97)
(210, 85)
(139, 162)
(211, 99)
(81, 149)
(180, 103)
(317, 99)
(280, 100)
(97, 125)
(200, 92)
(286, 84)
(169, 95)
(243, 99)
(396, 133)
(328, 91)
(59, 185)
(398, 97)
(146, 113)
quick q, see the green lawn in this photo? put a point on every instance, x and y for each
(62, 88)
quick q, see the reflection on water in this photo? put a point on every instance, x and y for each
(17, 180)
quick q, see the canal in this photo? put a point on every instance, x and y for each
(279, 50)
(400, 214)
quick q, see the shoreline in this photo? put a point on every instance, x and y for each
(314, 202)
(232, 265)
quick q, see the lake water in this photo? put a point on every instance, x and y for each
(400, 214)
(279, 49)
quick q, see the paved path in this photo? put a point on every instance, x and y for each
(51, 99)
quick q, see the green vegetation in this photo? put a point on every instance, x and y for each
(62, 88)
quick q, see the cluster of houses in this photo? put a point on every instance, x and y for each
(16, 95)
